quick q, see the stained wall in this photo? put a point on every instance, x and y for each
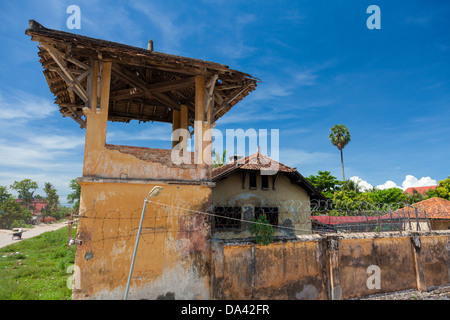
(335, 267)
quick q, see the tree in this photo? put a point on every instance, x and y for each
(12, 212)
(351, 185)
(25, 190)
(415, 197)
(388, 196)
(443, 189)
(325, 183)
(74, 197)
(340, 137)
(4, 195)
(219, 160)
(52, 199)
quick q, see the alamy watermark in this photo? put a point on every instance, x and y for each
(374, 279)
(235, 141)
(73, 281)
(374, 21)
(74, 20)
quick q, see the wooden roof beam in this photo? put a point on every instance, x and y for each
(209, 94)
(64, 72)
(133, 80)
(139, 117)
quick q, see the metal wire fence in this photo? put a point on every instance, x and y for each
(300, 217)
(289, 218)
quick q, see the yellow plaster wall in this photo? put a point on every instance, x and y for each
(173, 255)
(438, 224)
(331, 266)
(433, 255)
(292, 202)
(394, 256)
(290, 270)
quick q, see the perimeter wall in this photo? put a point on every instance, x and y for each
(331, 267)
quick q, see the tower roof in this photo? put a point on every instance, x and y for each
(146, 85)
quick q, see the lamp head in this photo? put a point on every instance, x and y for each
(155, 191)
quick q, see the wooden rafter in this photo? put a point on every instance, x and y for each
(143, 89)
(74, 114)
(146, 79)
(140, 117)
(64, 72)
(209, 94)
(226, 104)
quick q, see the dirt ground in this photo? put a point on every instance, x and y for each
(441, 293)
(6, 235)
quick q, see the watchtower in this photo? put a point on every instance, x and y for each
(96, 81)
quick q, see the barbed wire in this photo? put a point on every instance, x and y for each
(311, 217)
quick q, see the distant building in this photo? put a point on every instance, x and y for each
(364, 223)
(421, 190)
(429, 214)
(36, 206)
(242, 191)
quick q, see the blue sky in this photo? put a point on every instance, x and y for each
(319, 64)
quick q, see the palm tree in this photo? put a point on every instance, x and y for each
(340, 137)
(220, 160)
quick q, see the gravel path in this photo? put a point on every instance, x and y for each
(441, 293)
(6, 235)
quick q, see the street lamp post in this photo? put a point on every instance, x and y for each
(153, 193)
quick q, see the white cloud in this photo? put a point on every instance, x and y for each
(364, 185)
(32, 147)
(61, 181)
(387, 185)
(56, 142)
(409, 182)
(173, 25)
(40, 152)
(21, 106)
(138, 132)
(412, 182)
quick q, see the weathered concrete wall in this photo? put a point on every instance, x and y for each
(287, 270)
(173, 258)
(332, 267)
(127, 162)
(393, 256)
(440, 224)
(433, 260)
(229, 192)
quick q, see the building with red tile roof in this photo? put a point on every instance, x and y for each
(328, 223)
(421, 190)
(257, 185)
(434, 211)
(36, 206)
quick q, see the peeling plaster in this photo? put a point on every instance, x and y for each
(309, 292)
(182, 283)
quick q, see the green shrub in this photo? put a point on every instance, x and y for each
(262, 231)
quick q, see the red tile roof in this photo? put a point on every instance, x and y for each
(335, 220)
(256, 161)
(36, 205)
(421, 190)
(259, 161)
(433, 208)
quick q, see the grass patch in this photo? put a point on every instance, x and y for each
(36, 268)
